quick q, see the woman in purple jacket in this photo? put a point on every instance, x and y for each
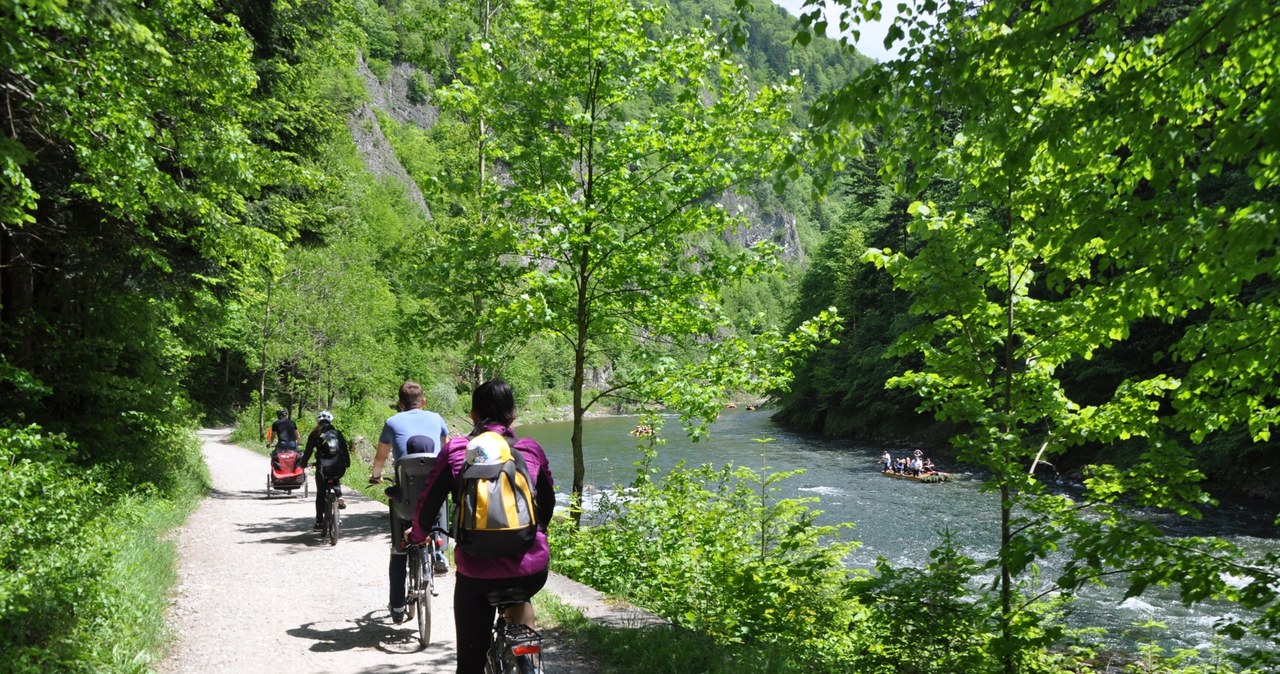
(493, 408)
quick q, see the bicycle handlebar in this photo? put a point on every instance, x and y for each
(430, 534)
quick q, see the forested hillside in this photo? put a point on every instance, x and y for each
(211, 210)
(1172, 329)
(1051, 227)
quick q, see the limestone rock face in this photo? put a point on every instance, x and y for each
(391, 98)
(776, 226)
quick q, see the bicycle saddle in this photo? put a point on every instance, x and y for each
(510, 595)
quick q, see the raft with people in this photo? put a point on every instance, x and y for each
(923, 477)
(917, 467)
(643, 431)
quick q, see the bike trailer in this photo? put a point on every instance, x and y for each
(285, 474)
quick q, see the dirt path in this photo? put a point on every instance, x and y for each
(259, 591)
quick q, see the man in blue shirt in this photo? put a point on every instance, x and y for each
(412, 430)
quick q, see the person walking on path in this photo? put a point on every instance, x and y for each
(409, 431)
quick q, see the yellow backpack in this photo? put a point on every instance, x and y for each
(495, 515)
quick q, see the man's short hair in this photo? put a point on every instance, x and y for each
(411, 396)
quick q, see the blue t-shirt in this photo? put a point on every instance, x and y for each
(412, 432)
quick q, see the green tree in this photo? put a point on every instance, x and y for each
(1115, 166)
(473, 237)
(130, 150)
(840, 390)
(155, 155)
(612, 197)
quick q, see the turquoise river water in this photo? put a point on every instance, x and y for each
(896, 519)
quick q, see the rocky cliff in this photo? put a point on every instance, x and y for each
(391, 97)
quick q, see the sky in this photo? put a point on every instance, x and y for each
(871, 42)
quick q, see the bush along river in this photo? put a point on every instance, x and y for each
(897, 519)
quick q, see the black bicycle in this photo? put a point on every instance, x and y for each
(332, 506)
(422, 583)
(516, 648)
(410, 473)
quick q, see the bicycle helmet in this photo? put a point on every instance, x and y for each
(325, 417)
(280, 414)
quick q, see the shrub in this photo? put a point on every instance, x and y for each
(52, 515)
(380, 67)
(442, 397)
(922, 621)
(419, 89)
(712, 550)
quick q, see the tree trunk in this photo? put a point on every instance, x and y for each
(1006, 497)
(579, 382)
(477, 370)
(262, 376)
(575, 440)
(17, 292)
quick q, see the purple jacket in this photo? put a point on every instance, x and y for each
(441, 483)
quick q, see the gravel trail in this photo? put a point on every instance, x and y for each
(259, 591)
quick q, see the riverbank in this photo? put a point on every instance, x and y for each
(536, 411)
(1230, 486)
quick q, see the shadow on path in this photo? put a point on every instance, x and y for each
(366, 632)
(251, 495)
(357, 527)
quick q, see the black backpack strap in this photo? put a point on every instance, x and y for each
(517, 457)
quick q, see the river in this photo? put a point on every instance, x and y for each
(896, 519)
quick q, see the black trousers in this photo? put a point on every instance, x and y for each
(320, 492)
(473, 616)
(398, 566)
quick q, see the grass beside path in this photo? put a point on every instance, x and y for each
(651, 647)
(131, 633)
(125, 629)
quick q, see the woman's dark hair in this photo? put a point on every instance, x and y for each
(493, 402)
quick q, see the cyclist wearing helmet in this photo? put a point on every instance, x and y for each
(283, 431)
(332, 460)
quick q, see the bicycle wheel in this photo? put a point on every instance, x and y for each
(524, 665)
(334, 521)
(521, 649)
(424, 612)
(510, 662)
(413, 557)
(493, 659)
(418, 593)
